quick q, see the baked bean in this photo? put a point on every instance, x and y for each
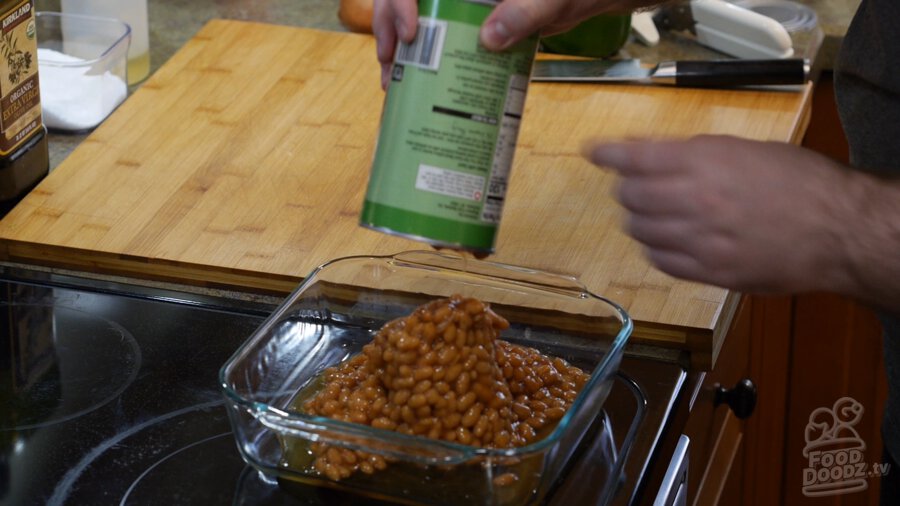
(555, 413)
(461, 337)
(463, 436)
(466, 401)
(538, 405)
(406, 357)
(453, 372)
(417, 401)
(442, 372)
(348, 456)
(521, 410)
(483, 393)
(429, 331)
(403, 383)
(407, 343)
(448, 355)
(434, 398)
(519, 374)
(332, 472)
(450, 334)
(536, 422)
(532, 384)
(471, 416)
(462, 384)
(359, 417)
(422, 387)
(452, 404)
(401, 397)
(378, 462)
(464, 320)
(526, 431)
(378, 405)
(425, 372)
(505, 479)
(481, 426)
(407, 414)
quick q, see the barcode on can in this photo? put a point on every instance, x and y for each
(425, 49)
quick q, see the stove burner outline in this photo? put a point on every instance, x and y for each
(62, 489)
(167, 457)
(123, 338)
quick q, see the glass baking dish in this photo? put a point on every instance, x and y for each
(338, 308)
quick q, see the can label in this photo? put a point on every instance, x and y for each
(448, 131)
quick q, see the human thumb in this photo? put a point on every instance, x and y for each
(512, 21)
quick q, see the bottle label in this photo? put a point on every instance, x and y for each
(20, 98)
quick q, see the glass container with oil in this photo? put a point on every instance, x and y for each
(24, 157)
(133, 12)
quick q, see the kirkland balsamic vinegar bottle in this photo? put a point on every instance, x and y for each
(24, 157)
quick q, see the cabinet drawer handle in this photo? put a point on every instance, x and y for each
(741, 399)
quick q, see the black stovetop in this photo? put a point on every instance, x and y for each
(110, 395)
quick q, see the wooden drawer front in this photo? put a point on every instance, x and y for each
(715, 431)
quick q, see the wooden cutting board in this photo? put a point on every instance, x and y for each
(243, 163)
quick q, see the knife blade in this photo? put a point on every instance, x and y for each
(686, 73)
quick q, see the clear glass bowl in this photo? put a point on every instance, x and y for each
(82, 67)
(338, 308)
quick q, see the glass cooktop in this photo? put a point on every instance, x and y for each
(110, 396)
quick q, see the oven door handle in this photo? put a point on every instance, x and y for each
(673, 490)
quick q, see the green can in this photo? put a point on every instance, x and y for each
(448, 131)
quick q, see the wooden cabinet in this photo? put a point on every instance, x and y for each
(727, 455)
(716, 433)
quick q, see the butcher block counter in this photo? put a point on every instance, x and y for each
(242, 163)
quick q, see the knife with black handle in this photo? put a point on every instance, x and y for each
(686, 73)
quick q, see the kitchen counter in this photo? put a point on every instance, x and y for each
(180, 147)
(285, 118)
(173, 22)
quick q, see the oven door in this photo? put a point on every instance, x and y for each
(673, 491)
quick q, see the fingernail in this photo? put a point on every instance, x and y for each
(496, 35)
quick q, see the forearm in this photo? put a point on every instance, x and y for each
(871, 245)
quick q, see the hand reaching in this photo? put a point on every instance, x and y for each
(746, 215)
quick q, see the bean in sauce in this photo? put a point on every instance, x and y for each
(442, 372)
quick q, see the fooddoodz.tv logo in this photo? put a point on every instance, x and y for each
(835, 452)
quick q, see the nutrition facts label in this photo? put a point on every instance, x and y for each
(505, 148)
